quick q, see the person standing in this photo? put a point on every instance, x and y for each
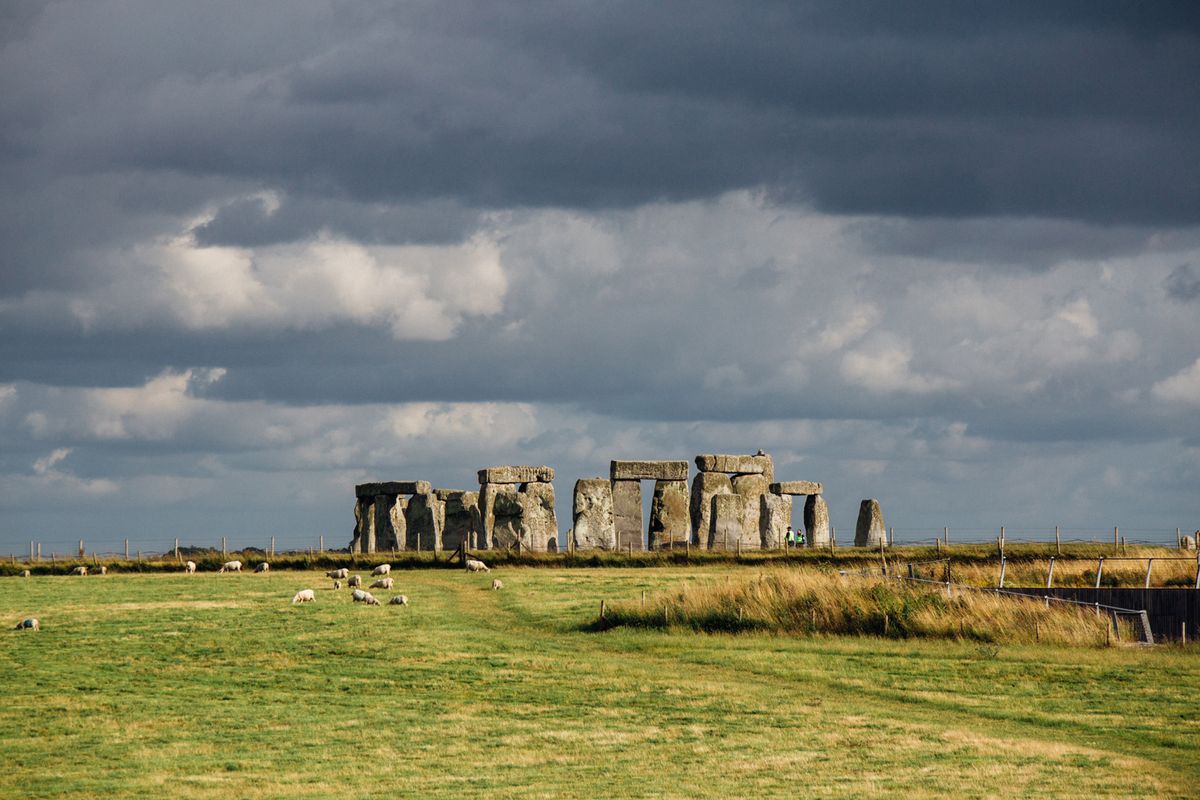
(791, 537)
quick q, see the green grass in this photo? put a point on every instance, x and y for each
(215, 686)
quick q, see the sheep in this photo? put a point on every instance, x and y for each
(337, 585)
(382, 569)
(338, 574)
(382, 583)
(30, 624)
(263, 567)
(79, 571)
(398, 600)
(231, 566)
(358, 595)
(304, 596)
(370, 600)
(103, 570)
(354, 581)
(189, 567)
(475, 565)
(497, 584)
(25, 573)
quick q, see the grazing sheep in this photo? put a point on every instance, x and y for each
(399, 600)
(231, 566)
(25, 573)
(371, 600)
(189, 567)
(337, 585)
(79, 571)
(354, 581)
(304, 596)
(358, 595)
(382, 583)
(475, 565)
(30, 624)
(382, 569)
(263, 567)
(338, 574)
(103, 570)
(497, 584)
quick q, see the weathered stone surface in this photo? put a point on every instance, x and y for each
(387, 536)
(774, 517)
(869, 532)
(816, 521)
(758, 464)
(729, 523)
(423, 519)
(705, 486)
(539, 519)
(649, 470)
(516, 474)
(670, 520)
(627, 513)
(364, 524)
(752, 487)
(593, 525)
(507, 511)
(796, 487)
(392, 487)
(462, 517)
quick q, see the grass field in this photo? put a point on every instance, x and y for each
(214, 686)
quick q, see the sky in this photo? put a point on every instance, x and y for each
(945, 255)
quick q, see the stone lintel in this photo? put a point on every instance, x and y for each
(393, 487)
(734, 465)
(516, 474)
(649, 470)
(796, 487)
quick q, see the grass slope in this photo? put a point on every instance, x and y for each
(214, 686)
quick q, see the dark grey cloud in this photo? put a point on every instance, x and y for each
(1183, 284)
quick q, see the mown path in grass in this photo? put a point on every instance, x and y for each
(214, 686)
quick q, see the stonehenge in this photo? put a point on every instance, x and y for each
(733, 502)
(869, 532)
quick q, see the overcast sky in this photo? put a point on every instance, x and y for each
(946, 255)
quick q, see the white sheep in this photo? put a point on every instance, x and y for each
(263, 567)
(382, 583)
(382, 569)
(25, 573)
(337, 585)
(475, 565)
(189, 567)
(338, 574)
(304, 596)
(231, 566)
(79, 571)
(30, 624)
(399, 600)
(354, 581)
(497, 584)
(370, 599)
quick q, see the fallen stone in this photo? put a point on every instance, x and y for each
(593, 526)
(796, 487)
(869, 532)
(774, 515)
(627, 514)
(816, 521)
(705, 486)
(393, 487)
(670, 520)
(649, 470)
(511, 474)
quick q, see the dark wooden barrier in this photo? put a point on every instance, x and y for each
(1168, 609)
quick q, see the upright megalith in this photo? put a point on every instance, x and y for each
(363, 540)
(753, 487)
(627, 513)
(775, 517)
(706, 486)
(728, 531)
(390, 527)
(379, 514)
(816, 521)
(670, 521)
(516, 508)
(462, 521)
(593, 515)
(869, 532)
(424, 519)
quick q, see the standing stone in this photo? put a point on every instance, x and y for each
(364, 522)
(670, 521)
(728, 522)
(386, 535)
(627, 513)
(507, 512)
(423, 519)
(816, 521)
(539, 522)
(705, 486)
(870, 531)
(462, 514)
(593, 515)
(775, 515)
(752, 487)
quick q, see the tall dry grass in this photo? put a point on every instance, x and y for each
(1172, 568)
(801, 603)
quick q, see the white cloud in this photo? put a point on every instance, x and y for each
(885, 366)
(1183, 387)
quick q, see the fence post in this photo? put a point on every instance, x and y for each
(321, 541)
(1003, 564)
(1050, 574)
(176, 548)
(1149, 566)
(1099, 571)
(1198, 571)
(272, 547)
(602, 609)
(1116, 543)
(224, 553)
(1057, 541)
(946, 536)
(1001, 537)
(891, 538)
(39, 557)
(1178, 538)
(81, 553)
(31, 551)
